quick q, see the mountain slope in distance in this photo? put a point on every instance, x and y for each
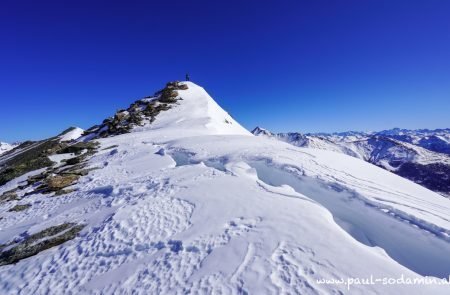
(408, 153)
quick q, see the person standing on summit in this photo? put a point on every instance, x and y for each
(187, 77)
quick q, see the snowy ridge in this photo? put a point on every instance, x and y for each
(196, 114)
(72, 133)
(190, 203)
(420, 156)
(4, 147)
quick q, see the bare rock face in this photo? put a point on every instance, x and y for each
(121, 115)
(55, 183)
(169, 94)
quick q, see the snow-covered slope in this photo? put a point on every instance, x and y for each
(190, 204)
(404, 152)
(70, 134)
(196, 114)
(4, 147)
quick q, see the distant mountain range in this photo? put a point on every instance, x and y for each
(422, 156)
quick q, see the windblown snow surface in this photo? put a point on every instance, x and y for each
(193, 203)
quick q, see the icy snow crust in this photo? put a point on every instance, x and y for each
(192, 204)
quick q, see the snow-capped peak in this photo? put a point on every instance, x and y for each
(181, 109)
(261, 131)
(196, 113)
(71, 133)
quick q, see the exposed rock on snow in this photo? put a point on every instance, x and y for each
(138, 113)
(38, 242)
(58, 182)
(20, 207)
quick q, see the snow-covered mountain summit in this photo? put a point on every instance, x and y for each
(261, 131)
(192, 112)
(196, 114)
(172, 196)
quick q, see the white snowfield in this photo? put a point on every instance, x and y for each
(4, 147)
(193, 204)
(73, 134)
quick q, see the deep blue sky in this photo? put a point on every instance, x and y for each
(285, 65)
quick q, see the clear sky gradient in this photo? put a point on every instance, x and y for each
(285, 65)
